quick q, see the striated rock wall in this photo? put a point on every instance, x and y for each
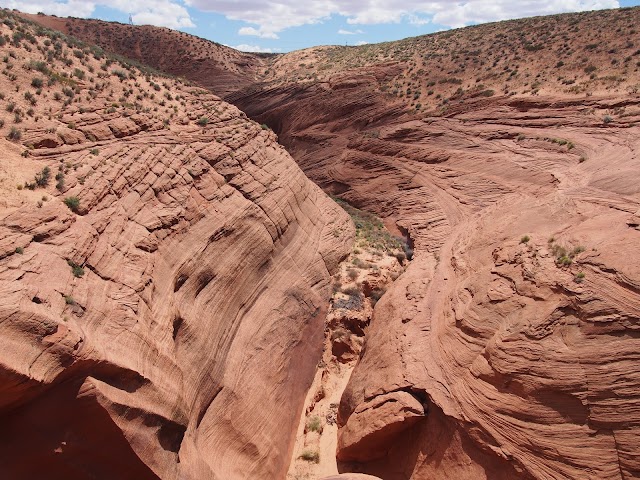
(508, 349)
(494, 355)
(170, 326)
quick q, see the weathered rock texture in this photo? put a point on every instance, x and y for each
(211, 65)
(499, 353)
(508, 348)
(487, 359)
(170, 327)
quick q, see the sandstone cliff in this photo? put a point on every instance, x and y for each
(508, 154)
(506, 350)
(166, 322)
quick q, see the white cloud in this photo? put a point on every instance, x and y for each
(266, 18)
(165, 13)
(273, 16)
(417, 21)
(257, 33)
(254, 48)
(349, 32)
(77, 8)
(362, 42)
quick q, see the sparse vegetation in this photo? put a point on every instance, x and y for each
(73, 203)
(76, 269)
(42, 178)
(14, 134)
(310, 456)
(314, 424)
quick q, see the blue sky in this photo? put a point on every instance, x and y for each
(285, 25)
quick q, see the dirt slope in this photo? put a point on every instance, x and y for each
(164, 268)
(509, 154)
(211, 65)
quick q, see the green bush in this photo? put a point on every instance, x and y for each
(37, 82)
(73, 203)
(14, 134)
(203, 121)
(42, 178)
(314, 424)
(310, 456)
(19, 250)
(76, 269)
(525, 239)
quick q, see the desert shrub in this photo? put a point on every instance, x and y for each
(203, 121)
(14, 134)
(37, 82)
(28, 96)
(19, 250)
(352, 273)
(353, 302)
(314, 424)
(310, 456)
(579, 278)
(60, 181)
(42, 178)
(359, 263)
(76, 269)
(73, 203)
(607, 119)
(564, 260)
(525, 239)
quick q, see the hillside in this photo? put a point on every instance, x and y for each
(211, 65)
(574, 54)
(508, 156)
(164, 268)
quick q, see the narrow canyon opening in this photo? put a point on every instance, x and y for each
(377, 259)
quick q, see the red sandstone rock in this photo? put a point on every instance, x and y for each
(171, 327)
(527, 368)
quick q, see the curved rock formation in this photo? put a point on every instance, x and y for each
(493, 356)
(508, 349)
(167, 321)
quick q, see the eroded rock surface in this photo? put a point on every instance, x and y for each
(512, 337)
(168, 325)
